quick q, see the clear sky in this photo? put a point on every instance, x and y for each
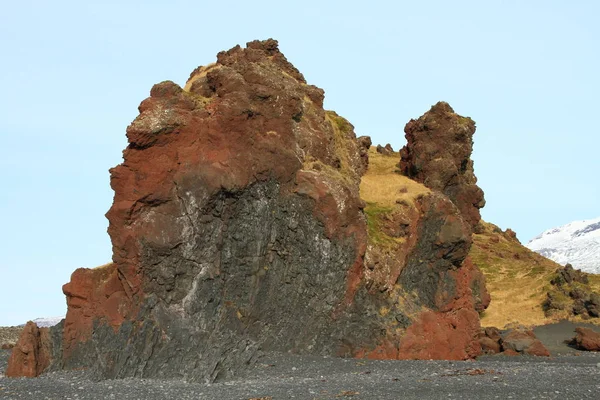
(72, 74)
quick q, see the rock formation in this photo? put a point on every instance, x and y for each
(386, 150)
(512, 342)
(571, 294)
(438, 154)
(586, 339)
(238, 227)
(32, 353)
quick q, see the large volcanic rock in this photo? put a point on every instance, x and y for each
(586, 339)
(438, 154)
(237, 227)
(32, 353)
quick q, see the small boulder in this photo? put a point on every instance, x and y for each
(490, 340)
(386, 151)
(489, 345)
(579, 307)
(586, 339)
(523, 341)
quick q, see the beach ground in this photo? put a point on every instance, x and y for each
(568, 374)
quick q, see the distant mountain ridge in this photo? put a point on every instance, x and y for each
(47, 321)
(577, 243)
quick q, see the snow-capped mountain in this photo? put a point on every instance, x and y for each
(577, 243)
(47, 321)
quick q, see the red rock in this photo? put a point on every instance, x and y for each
(523, 341)
(442, 336)
(237, 224)
(587, 339)
(91, 294)
(489, 345)
(437, 153)
(490, 340)
(31, 354)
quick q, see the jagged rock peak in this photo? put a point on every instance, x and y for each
(438, 154)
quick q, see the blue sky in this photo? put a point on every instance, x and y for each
(73, 73)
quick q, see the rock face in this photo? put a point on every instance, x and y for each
(32, 353)
(571, 294)
(237, 227)
(438, 154)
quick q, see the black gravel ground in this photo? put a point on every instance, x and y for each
(569, 374)
(295, 377)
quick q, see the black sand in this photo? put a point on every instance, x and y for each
(572, 375)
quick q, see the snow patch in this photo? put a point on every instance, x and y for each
(47, 321)
(576, 243)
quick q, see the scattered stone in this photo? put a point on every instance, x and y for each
(523, 341)
(512, 342)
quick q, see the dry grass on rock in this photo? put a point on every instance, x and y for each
(518, 280)
(383, 186)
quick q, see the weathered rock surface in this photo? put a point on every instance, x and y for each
(586, 339)
(32, 353)
(514, 341)
(490, 340)
(386, 150)
(238, 227)
(571, 294)
(523, 341)
(438, 154)
(9, 336)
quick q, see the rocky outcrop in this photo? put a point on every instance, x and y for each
(32, 353)
(571, 295)
(238, 227)
(490, 340)
(515, 341)
(586, 339)
(438, 154)
(387, 150)
(523, 341)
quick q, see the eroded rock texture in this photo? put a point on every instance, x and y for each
(32, 353)
(512, 342)
(237, 227)
(438, 154)
(586, 339)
